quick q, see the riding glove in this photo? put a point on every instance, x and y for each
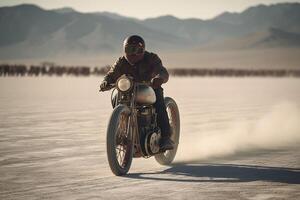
(103, 85)
(157, 82)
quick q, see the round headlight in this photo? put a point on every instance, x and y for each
(124, 84)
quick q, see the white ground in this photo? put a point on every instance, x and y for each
(239, 140)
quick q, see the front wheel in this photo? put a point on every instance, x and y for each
(119, 141)
(168, 156)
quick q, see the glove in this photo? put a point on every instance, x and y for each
(157, 82)
(103, 85)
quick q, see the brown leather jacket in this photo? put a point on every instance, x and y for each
(143, 71)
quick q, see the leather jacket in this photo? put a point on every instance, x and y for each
(143, 71)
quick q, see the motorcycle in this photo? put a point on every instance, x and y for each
(132, 130)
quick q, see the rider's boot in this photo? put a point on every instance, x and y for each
(166, 144)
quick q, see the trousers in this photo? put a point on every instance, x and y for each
(162, 115)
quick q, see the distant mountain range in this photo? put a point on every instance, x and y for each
(27, 31)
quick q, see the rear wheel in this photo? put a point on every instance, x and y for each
(119, 141)
(168, 156)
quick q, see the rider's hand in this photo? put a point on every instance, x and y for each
(157, 82)
(103, 85)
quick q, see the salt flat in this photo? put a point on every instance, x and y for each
(239, 140)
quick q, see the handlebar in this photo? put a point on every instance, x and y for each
(109, 87)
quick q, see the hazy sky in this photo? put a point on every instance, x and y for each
(151, 8)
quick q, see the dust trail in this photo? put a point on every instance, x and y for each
(278, 128)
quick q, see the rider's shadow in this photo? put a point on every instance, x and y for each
(223, 173)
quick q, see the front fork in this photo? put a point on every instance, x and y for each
(137, 150)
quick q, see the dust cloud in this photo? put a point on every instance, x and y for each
(278, 128)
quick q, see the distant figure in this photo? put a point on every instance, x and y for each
(143, 66)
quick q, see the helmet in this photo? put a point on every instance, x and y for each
(134, 48)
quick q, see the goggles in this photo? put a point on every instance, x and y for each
(134, 49)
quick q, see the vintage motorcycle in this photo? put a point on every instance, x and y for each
(132, 129)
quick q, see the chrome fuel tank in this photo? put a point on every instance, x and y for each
(145, 95)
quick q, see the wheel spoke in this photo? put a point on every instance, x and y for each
(122, 140)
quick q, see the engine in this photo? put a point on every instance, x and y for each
(150, 133)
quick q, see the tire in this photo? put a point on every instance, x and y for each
(168, 156)
(119, 137)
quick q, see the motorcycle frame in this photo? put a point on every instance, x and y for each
(133, 124)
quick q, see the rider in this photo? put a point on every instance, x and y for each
(143, 66)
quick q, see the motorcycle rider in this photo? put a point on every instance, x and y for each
(143, 66)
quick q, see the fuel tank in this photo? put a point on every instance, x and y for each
(145, 95)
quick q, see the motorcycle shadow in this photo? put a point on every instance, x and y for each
(222, 173)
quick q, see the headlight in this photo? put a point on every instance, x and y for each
(124, 84)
